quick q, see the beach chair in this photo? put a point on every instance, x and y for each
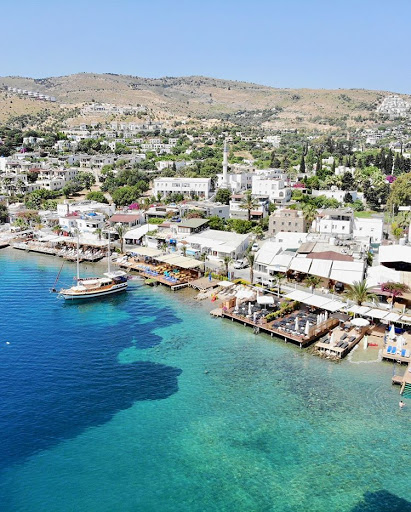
(344, 345)
(351, 339)
(394, 350)
(389, 349)
(403, 352)
(343, 337)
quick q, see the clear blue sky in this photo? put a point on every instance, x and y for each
(282, 43)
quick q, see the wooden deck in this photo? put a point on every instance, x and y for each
(159, 278)
(315, 332)
(203, 284)
(340, 352)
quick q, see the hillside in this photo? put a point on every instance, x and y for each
(199, 97)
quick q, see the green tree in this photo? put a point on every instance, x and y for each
(124, 196)
(312, 281)
(86, 179)
(121, 231)
(223, 196)
(310, 214)
(302, 164)
(97, 196)
(359, 292)
(400, 194)
(4, 213)
(248, 203)
(216, 222)
(226, 262)
(251, 259)
(347, 181)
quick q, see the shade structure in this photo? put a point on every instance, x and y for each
(333, 305)
(307, 328)
(360, 322)
(147, 251)
(180, 261)
(297, 324)
(405, 319)
(365, 341)
(392, 317)
(360, 310)
(400, 343)
(298, 295)
(317, 301)
(332, 339)
(249, 308)
(376, 313)
(265, 299)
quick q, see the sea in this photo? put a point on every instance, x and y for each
(144, 402)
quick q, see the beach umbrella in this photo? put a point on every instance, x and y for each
(237, 303)
(332, 339)
(307, 328)
(318, 319)
(326, 315)
(391, 334)
(365, 341)
(360, 322)
(249, 308)
(254, 317)
(400, 343)
(296, 326)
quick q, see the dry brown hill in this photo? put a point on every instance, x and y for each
(199, 97)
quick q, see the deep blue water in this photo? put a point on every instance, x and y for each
(142, 402)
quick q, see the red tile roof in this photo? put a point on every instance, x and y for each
(330, 255)
(125, 217)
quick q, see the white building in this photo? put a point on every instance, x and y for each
(218, 244)
(87, 222)
(368, 228)
(85, 206)
(334, 222)
(235, 182)
(186, 186)
(337, 194)
(274, 188)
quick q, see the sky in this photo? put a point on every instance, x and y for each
(282, 43)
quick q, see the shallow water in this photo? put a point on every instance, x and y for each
(143, 402)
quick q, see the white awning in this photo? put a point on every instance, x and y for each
(334, 305)
(346, 276)
(392, 317)
(265, 299)
(317, 301)
(301, 265)
(376, 313)
(321, 268)
(405, 319)
(298, 295)
(225, 284)
(146, 251)
(359, 310)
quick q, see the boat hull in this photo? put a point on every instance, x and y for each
(94, 294)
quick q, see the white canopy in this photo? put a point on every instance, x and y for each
(406, 319)
(392, 317)
(321, 268)
(317, 301)
(359, 310)
(334, 305)
(360, 322)
(376, 313)
(146, 251)
(301, 264)
(265, 299)
(298, 295)
(225, 284)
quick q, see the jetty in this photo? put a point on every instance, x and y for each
(404, 382)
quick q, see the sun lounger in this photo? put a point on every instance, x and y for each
(344, 345)
(389, 349)
(394, 350)
(343, 336)
(351, 339)
(403, 352)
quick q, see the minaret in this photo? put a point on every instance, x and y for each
(225, 166)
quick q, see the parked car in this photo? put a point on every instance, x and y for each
(255, 247)
(241, 264)
(175, 219)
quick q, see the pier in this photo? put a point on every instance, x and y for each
(271, 328)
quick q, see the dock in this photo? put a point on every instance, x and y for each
(218, 312)
(303, 340)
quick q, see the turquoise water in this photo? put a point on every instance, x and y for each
(143, 402)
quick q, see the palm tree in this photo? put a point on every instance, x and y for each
(251, 258)
(121, 231)
(248, 203)
(310, 214)
(203, 258)
(184, 250)
(359, 292)
(226, 261)
(280, 278)
(98, 232)
(312, 281)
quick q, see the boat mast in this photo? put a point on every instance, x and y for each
(108, 253)
(78, 256)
